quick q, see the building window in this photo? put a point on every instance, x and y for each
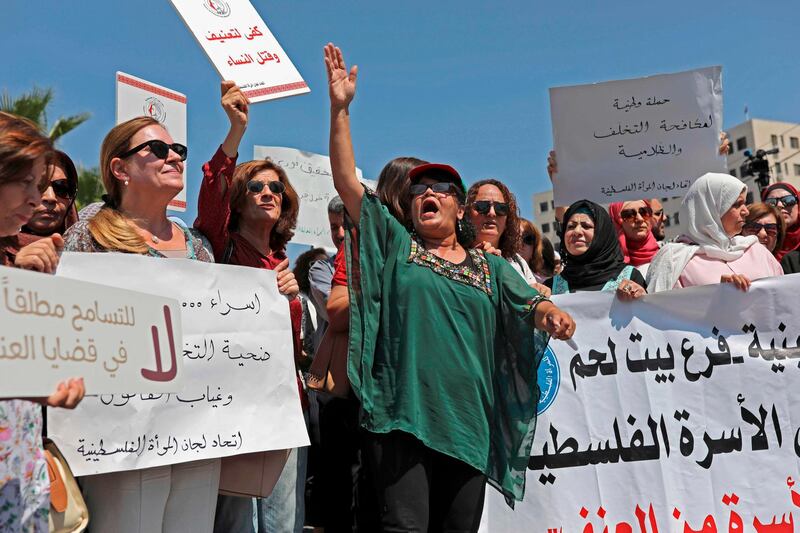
(732, 172)
(774, 139)
(664, 200)
(552, 204)
(543, 207)
(796, 169)
(741, 143)
(677, 218)
(794, 142)
(778, 169)
(782, 144)
(546, 227)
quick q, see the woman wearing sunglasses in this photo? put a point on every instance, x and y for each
(248, 212)
(784, 197)
(142, 170)
(24, 482)
(765, 222)
(37, 244)
(438, 335)
(531, 249)
(593, 259)
(492, 210)
(632, 221)
(712, 249)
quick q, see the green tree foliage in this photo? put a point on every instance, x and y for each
(90, 186)
(33, 105)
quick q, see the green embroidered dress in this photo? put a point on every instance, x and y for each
(445, 352)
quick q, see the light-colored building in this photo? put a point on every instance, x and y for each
(755, 134)
(544, 216)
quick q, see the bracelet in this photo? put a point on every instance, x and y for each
(535, 301)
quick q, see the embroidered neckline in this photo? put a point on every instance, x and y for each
(478, 277)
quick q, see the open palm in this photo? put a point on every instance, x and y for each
(341, 84)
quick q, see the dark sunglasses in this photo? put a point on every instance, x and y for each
(440, 187)
(483, 207)
(788, 201)
(160, 149)
(275, 187)
(529, 239)
(630, 214)
(63, 189)
(754, 228)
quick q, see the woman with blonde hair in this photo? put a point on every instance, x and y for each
(142, 170)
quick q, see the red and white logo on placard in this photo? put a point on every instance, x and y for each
(153, 107)
(219, 8)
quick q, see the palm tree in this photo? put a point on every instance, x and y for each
(33, 105)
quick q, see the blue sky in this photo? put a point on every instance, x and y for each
(463, 82)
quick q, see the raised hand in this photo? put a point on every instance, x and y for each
(341, 83)
(235, 104)
(287, 283)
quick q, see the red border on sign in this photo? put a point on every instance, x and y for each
(152, 88)
(178, 203)
(276, 89)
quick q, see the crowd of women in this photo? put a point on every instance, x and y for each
(439, 291)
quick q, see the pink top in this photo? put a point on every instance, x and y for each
(757, 262)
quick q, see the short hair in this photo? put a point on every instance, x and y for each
(536, 263)
(759, 210)
(336, 205)
(21, 144)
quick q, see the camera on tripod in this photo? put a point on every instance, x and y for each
(757, 165)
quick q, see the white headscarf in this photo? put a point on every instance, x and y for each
(702, 208)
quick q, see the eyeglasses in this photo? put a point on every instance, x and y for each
(63, 189)
(658, 213)
(160, 149)
(256, 186)
(788, 201)
(440, 187)
(529, 239)
(483, 207)
(754, 228)
(630, 214)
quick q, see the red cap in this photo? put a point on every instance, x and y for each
(417, 172)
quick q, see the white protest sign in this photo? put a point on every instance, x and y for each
(675, 413)
(240, 386)
(636, 139)
(54, 329)
(310, 175)
(241, 47)
(137, 97)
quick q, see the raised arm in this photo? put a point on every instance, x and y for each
(342, 89)
(237, 107)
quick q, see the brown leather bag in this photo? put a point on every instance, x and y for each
(328, 372)
(68, 510)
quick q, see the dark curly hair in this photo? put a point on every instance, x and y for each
(510, 240)
(302, 265)
(392, 187)
(283, 231)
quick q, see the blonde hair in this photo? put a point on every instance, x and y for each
(110, 227)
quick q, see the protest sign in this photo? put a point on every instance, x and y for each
(310, 175)
(55, 329)
(636, 139)
(674, 413)
(241, 47)
(240, 390)
(137, 97)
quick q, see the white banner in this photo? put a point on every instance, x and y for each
(240, 392)
(137, 97)
(241, 47)
(675, 413)
(636, 139)
(310, 175)
(54, 329)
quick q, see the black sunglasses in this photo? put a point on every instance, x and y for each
(529, 239)
(63, 189)
(160, 149)
(483, 207)
(754, 228)
(788, 201)
(629, 214)
(440, 187)
(255, 186)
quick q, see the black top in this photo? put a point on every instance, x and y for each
(791, 262)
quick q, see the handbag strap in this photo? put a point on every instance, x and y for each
(58, 490)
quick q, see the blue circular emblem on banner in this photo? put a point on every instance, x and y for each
(548, 378)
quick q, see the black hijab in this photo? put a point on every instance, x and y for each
(603, 261)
